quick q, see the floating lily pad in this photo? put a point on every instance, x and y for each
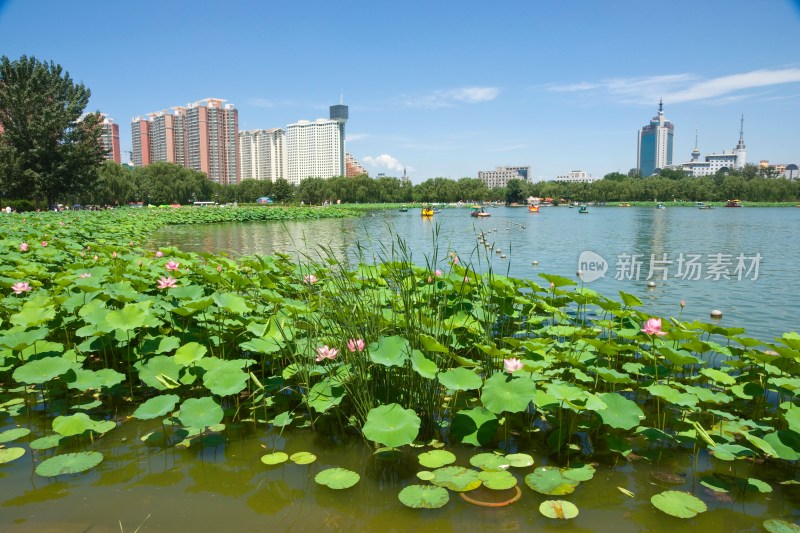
(715, 484)
(14, 434)
(200, 412)
(760, 486)
(558, 509)
(776, 525)
(45, 443)
(274, 458)
(519, 460)
(9, 454)
(425, 475)
(584, 473)
(337, 478)
(549, 480)
(436, 458)
(424, 497)
(456, 478)
(678, 504)
(498, 480)
(69, 463)
(489, 461)
(460, 378)
(303, 458)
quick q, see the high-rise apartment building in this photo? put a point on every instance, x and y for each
(654, 150)
(110, 138)
(203, 136)
(500, 176)
(316, 149)
(353, 168)
(262, 154)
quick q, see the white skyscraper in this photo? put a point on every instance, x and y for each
(315, 150)
(263, 154)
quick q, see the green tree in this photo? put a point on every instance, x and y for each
(47, 151)
(514, 192)
(282, 190)
(115, 186)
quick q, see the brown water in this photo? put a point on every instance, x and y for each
(223, 486)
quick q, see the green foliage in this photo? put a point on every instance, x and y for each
(46, 150)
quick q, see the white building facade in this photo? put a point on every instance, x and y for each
(263, 154)
(577, 176)
(713, 163)
(500, 176)
(314, 150)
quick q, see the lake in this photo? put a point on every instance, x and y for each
(741, 261)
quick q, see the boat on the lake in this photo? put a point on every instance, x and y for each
(701, 205)
(584, 210)
(403, 209)
(533, 208)
(661, 206)
(427, 211)
(624, 204)
(733, 203)
(479, 212)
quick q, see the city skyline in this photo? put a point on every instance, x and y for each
(464, 88)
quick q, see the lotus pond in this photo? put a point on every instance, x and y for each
(164, 390)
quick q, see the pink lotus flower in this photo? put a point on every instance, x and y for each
(95, 258)
(85, 275)
(512, 364)
(355, 345)
(455, 260)
(114, 255)
(310, 279)
(172, 265)
(219, 268)
(88, 247)
(140, 262)
(438, 272)
(130, 243)
(653, 327)
(44, 244)
(23, 247)
(167, 283)
(159, 254)
(323, 352)
(466, 279)
(20, 287)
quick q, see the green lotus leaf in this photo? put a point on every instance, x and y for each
(786, 444)
(282, 420)
(718, 376)
(10, 454)
(489, 461)
(390, 351)
(103, 426)
(502, 393)
(551, 481)
(41, 370)
(130, 317)
(19, 340)
(422, 365)
(620, 412)
(715, 484)
(757, 484)
(188, 292)
(460, 379)
(436, 458)
(425, 475)
(678, 504)
(429, 344)
(477, 426)
(34, 312)
(497, 480)
(200, 413)
(519, 460)
(13, 434)
(156, 407)
(69, 463)
(561, 509)
(161, 370)
(95, 379)
(303, 458)
(456, 478)
(274, 458)
(77, 424)
(424, 497)
(45, 443)
(557, 281)
(226, 380)
(233, 303)
(584, 473)
(391, 425)
(775, 525)
(337, 478)
(325, 395)
(190, 353)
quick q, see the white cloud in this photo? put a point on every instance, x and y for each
(384, 161)
(356, 136)
(677, 88)
(449, 98)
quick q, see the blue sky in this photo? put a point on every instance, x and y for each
(445, 88)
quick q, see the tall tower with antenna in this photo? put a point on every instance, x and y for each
(654, 150)
(740, 151)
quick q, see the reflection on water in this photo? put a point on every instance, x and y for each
(555, 237)
(226, 488)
